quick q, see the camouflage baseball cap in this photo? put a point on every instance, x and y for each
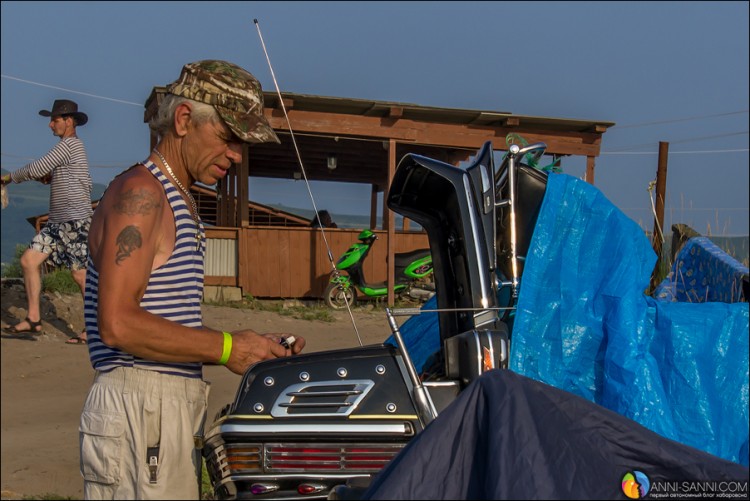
(235, 93)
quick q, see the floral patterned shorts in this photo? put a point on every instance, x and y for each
(66, 243)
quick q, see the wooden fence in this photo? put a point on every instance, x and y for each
(278, 262)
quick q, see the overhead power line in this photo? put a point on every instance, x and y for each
(671, 152)
(677, 141)
(70, 90)
(675, 120)
(717, 136)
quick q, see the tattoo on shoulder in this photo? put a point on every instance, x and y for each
(128, 240)
(140, 201)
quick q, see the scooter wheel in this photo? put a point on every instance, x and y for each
(336, 296)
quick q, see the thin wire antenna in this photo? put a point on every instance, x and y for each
(304, 175)
(651, 197)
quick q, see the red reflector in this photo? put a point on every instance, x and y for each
(310, 488)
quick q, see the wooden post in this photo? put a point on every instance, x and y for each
(590, 169)
(232, 197)
(661, 189)
(243, 178)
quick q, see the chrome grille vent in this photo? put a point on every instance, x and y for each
(322, 398)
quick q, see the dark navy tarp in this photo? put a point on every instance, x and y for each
(510, 437)
(585, 325)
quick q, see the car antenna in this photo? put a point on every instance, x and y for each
(304, 175)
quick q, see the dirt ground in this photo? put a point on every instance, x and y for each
(45, 381)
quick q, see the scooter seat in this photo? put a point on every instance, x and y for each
(403, 259)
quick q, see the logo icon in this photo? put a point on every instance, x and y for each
(635, 484)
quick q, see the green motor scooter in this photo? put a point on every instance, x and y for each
(411, 268)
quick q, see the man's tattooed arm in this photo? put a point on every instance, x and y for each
(128, 240)
(141, 202)
(133, 202)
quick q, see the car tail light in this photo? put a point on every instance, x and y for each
(243, 459)
(364, 458)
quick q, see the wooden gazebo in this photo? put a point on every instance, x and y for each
(354, 141)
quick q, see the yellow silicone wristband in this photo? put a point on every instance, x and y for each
(227, 349)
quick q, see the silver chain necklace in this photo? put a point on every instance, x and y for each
(196, 218)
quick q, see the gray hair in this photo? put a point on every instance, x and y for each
(163, 121)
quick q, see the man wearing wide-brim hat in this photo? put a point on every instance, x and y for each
(64, 239)
(147, 341)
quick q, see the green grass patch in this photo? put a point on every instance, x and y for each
(207, 491)
(13, 269)
(299, 311)
(58, 280)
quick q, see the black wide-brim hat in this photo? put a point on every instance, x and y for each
(66, 107)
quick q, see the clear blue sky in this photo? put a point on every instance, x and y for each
(663, 71)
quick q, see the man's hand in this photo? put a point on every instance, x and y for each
(294, 347)
(46, 179)
(6, 179)
(249, 347)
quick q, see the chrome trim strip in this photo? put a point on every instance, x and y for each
(385, 416)
(341, 393)
(300, 475)
(484, 286)
(315, 404)
(478, 344)
(438, 384)
(304, 429)
(252, 417)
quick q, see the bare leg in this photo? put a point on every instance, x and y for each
(80, 277)
(31, 261)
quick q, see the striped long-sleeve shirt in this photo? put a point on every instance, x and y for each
(70, 188)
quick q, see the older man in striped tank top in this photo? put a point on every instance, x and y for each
(144, 286)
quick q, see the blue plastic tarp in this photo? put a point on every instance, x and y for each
(702, 272)
(585, 325)
(421, 335)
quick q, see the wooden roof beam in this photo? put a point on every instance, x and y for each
(395, 112)
(439, 134)
(598, 129)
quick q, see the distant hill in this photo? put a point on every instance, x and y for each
(32, 199)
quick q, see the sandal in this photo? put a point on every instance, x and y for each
(13, 329)
(76, 340)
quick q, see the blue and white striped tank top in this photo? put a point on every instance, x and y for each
(174, 292)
